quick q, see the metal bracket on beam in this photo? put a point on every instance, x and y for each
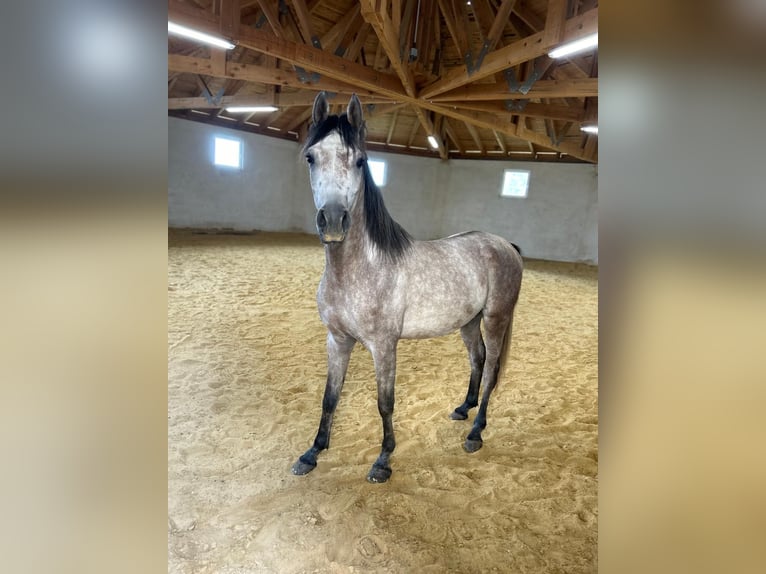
(516, 105)
(480, 57)
(510, 79)
(468, 59)
(537, 71)
(305, 77)
(261, 21)
(370, 108)
(211, 99)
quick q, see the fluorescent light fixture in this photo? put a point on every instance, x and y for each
(199, 36)
(251, 109)
(432, 142)
(589, 129)
(577, 46)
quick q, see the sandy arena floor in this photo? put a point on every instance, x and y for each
(246, 372)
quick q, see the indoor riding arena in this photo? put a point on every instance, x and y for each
(247, 350)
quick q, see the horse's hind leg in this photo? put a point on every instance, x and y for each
(471, 334)
(497, 331)
(339, 349)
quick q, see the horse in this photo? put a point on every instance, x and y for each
(380, 285)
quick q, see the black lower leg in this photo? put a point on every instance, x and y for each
(472, 397)
(385, 373)
(339, 352)
(471, 334)
(381, 469)
(473, 441)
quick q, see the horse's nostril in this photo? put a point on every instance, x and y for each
(321, 220)
(345, 221)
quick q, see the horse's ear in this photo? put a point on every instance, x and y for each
(321, 109)
(354, 113)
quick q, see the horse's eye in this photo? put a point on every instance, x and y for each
(309, 158)
(360, 162)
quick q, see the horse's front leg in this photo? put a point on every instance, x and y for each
(384, 356)
(339, 347)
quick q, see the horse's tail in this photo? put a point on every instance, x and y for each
(517, 248)
(506, 349)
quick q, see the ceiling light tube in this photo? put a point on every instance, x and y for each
(580, 45)
(589, 129)
(432, 142)
(251, 109)
(199, 36)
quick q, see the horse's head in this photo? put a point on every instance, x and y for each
(335, 153)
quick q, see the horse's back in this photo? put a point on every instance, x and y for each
(451, 280)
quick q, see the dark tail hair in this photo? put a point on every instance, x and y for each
(517, 248)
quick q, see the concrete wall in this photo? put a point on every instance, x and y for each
(430, 198)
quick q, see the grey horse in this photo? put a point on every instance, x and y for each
(380, 285)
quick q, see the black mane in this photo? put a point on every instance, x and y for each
(387, 235)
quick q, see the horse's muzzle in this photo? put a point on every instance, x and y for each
(332, 223)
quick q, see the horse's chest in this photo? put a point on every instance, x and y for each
(353, 308)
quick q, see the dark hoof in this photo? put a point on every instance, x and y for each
(472, 445)
(458, 416)
(379, 474)
(300, 468)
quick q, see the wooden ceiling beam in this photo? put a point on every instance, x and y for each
(269, 10)
(520, 51)
(532, 20)
(376, 110)
(579, 88)
(304, 23)
(500, 141)
(413, 132)
(389, 40)
(555, 19)
(260, 74)
(353, 52)
(533, 110)
(506, 126)
(392, 127)
(280, 100)
(456, 31)
(475, 135)
(295, 53)
(498, 24)
(451, 134)
(299, 119)
(333, 40)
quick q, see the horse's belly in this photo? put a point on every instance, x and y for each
(435, 321)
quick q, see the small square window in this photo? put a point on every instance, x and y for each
(515, 183)
(378, 171)
(228, 152)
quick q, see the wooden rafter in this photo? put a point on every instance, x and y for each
(500, 141)
(451, 133)
(384, 28)
(525, 49)
(268, 99)
(533, 110)
(579, 88)
(392, 127)
(290, 37)
(256, 73)
(475, 135)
